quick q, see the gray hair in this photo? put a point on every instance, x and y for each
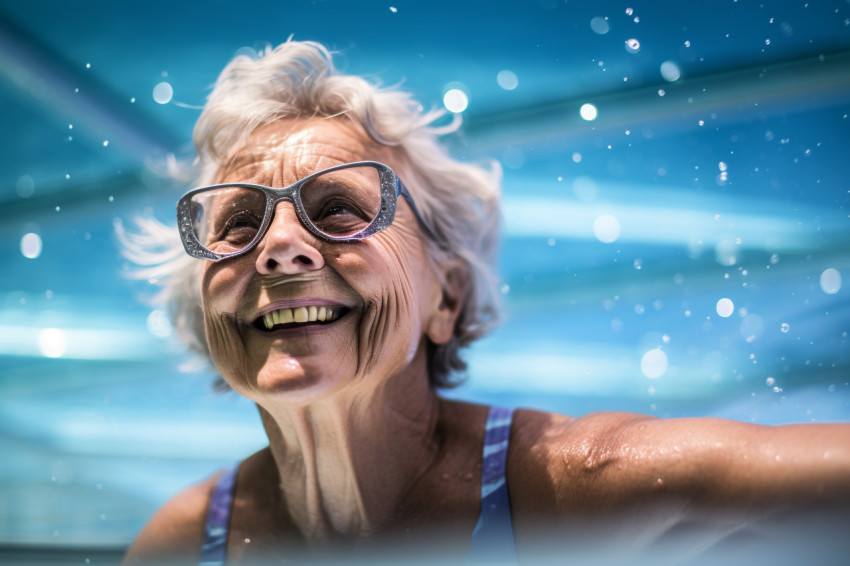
(458, 201)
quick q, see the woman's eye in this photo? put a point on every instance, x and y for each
(337, 209)
(240, 224)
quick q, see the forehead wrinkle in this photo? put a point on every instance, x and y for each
(285, 151)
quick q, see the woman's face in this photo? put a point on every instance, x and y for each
(382, 289)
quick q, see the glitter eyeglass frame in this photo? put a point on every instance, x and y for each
(391, 189)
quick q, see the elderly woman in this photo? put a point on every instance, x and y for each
(339, 261)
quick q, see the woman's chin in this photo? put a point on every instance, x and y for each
(287, 380)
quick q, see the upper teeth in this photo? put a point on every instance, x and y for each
(300, 314)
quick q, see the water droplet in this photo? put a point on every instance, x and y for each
(632, 45)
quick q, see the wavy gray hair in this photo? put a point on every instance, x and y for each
(459, 201)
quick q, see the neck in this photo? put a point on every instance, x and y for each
(347, 462)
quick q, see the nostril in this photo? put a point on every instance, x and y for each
(272, 264)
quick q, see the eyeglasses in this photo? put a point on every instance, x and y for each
(341, 204)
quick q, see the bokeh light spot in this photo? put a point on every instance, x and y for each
(599, 25)
(588, 112)
(725, 307)
(606, 228)
(654, 364)
(507, 79)
(163, 92)
(31, 245)
(52, 343)
(830, 281)
(670, 71)
(455, 100)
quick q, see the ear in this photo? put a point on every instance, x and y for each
(441, 323)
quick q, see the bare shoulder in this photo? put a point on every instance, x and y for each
(175, 532)
(554, 461)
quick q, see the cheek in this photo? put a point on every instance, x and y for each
(220, 291)
(390, 281)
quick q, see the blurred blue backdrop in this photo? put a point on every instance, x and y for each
(676, 225)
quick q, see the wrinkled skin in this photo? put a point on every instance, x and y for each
(339, 399)
(386, 280)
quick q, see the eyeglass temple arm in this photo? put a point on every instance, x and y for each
(402, 190)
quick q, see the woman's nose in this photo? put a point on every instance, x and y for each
(288, 248)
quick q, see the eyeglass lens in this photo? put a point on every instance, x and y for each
(338, 203)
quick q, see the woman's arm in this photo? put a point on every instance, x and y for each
(642, 470)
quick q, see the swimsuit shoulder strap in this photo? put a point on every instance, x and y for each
(214, 546)
(493, 538)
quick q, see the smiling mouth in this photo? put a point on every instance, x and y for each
(299, 316)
